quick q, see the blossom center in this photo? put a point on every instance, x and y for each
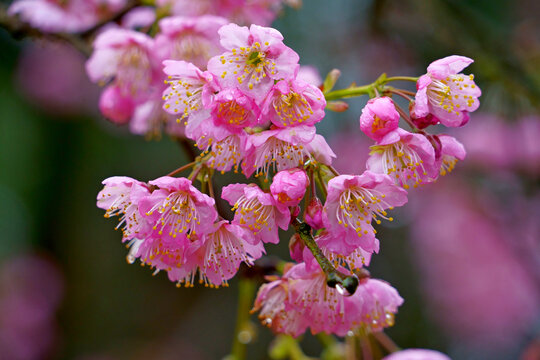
(292, 108)
(178, 215)
(402, 161)
(358, 206)
(253, 214)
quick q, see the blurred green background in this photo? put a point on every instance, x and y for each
(53, 159)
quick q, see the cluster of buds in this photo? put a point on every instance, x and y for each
(247, 110)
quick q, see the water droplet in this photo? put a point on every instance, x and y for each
(267, 322)
(130, 258)
(350, 333)
(342, 290)
(245, 337)
(390, 319)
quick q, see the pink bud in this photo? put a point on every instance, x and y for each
(296, 248)
(422, 122)
(337, 106)
(379, 117)
(289, 186)
(314, 214)
(116, 107)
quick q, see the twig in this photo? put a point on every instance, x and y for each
(386, 341)
(333, 276)
(181, 168)
(405, 117)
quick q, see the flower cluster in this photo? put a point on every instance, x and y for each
(248, 110)
(65, 16)
(171, 226)
(129, 51)
(190, 69)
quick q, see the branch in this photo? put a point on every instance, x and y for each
(334, 277)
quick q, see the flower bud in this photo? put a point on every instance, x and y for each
(337, 106)
(331, 79)
(289, 186)
(421, 122)
(379, 117)
(314, 214)
(116, 107)
(296, 248)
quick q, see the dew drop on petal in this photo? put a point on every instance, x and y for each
(130, 258)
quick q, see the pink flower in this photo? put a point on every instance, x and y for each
(416, 354)
(227, 153)
(245, 12)
(279, 149)
(314, 214)
(52, 76)
(447, 95)
(309, 74)
(150, 119)
(127, 57)
(120, 196)
(407, 157)
(320, 151)
(192, 39)
(353, 201)
(301, 299)
(260, 12)
(254, 58)
(294, 102)
(379, 117)
(275, 311)
(178, 208)
(222, 250)
(289, 186)
(257, 211)
(115, 106)
(335, 251)
(62, 15)
(233, 110)
(31, 291)
(170, 254)
(374, 304)
(189, 94)
(451, 151)
(139, 17)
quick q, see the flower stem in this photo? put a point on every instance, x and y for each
(332, 169)
(386, 342)
(403, 93)
(407, 119)
(334, 277)
(321, 184)
(402, 78)
(243, 333)
(372, 89)
(181, 168)
(350, 92)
